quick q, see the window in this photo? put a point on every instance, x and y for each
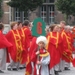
(24, 16)
(47, 13)
(19, 16)
(51, 13)
(43, 13)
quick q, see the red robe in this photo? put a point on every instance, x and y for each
(3, 41)
(54, 47)
(16, 52)
(33, 46)
(67, 46)
(28, 32)
(25, 44)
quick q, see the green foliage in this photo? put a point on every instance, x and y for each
(1, 12)
(66, 6)
(25, 5)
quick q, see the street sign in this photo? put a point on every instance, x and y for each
(38, 27)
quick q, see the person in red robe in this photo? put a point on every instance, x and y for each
(24, 41)
(3, 51)
(26, 28)
(17, 52)
(67, 46)
(3, 41)
(62, 62)
(54, 47)
(27, 32)
(32, 48)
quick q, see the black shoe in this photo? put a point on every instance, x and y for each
(21, 67)
(56, 73)
(66, 68)
(10, 69)
(1, 71)
(15, 69)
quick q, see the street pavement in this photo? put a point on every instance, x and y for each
(70, 72)
(22, 72)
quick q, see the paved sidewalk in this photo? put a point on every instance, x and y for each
(22, 72)
(70, 72)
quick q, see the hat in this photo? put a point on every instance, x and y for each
(41, 38)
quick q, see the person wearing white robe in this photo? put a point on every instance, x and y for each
(42, 64)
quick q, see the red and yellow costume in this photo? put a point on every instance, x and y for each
(28, 32)
(18, 51)
(33, 46)
(29, 37)
(54, 47)
(67, 46)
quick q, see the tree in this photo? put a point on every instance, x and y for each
(25, 5)
(66, 7)
(1, 12)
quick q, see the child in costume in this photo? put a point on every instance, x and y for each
(40, 57)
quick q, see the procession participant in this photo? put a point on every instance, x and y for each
(29, 64)
(68, 47)
(60, 29)
(62, 62)
(16, 52)
(3, 52)
(24, 43)
(54, 47)
(19, 23)
(62, 24)
(12, 51)
(41, 57)
(26, 28)
(28, 33)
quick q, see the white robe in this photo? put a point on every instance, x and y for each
(44, 65)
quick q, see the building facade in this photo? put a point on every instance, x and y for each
(47, 12)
